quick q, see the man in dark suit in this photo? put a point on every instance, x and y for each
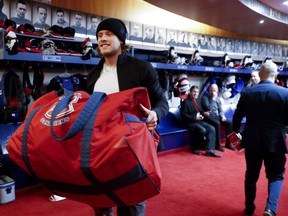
(193, 116)
(265, 106)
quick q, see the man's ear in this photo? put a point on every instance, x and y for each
(275, 77)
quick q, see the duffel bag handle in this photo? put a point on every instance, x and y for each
(91, 106)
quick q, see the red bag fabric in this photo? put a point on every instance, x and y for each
(102, 154)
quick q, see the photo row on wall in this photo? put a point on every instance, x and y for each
(43, 16)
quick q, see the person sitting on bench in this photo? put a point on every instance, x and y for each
(193, 116)
(212, 104)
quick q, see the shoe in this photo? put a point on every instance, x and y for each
(197, 152)
(229, 146)
(268, 212)
(212, 153)
(220, 148)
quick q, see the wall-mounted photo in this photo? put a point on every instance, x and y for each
(238, 46)
(202, 42)
(4, 9)
(193, 40)
(171, 37)
(212, 43)
(262, 50)
(182, 39)
(254, 48)
(127, 25)
(136, 30)
(20, 12)
(92, 24)
(41, 16)
(285, 51)
(149, 34)
(78, 22)
(60, 17)
(278, 50)
(230, 45)
(246, 47)
(221, 44)
(160, 36)
(270, 50)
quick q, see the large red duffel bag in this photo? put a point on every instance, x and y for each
(94, 148)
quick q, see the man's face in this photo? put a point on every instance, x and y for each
(136, 30)
(108, 43)
(222, 42)
(213, 41)
(229, 45)
(21, 10)
(255, 78)
(160, 33)
(194, 93)
(149, 33)
(172, 35)
(78, 20)
(213, 91)
(202, 40)
(42, 14)
(182, 36)
(192, 37)
(94, 23)
(60, 17)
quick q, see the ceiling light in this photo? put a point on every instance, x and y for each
(261, 21)
(285, 3)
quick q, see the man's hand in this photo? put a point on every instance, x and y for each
(207, 113)
(151, 118)
(199, 117)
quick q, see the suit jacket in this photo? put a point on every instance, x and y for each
(189, 112)
(266, 109)
(133, 72)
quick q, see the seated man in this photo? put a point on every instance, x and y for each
(212, 104)
(255, 79)
(193, 116)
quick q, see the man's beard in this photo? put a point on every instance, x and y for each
(110, 53)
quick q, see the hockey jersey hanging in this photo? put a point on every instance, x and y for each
(13, 104)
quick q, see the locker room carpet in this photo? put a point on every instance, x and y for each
(191, 185)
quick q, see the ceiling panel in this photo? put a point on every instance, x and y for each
(229, 15)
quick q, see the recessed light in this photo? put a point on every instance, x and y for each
(285, 3)
(261, 21)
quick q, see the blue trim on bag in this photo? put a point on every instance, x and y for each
(93, 102)
(98, 188)
(85, 157)
(131, 118)
(24, 141)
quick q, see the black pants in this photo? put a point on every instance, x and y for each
(274, 167)
(200, 130)
(216, 123)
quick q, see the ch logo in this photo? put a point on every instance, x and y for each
(8, 190)
(69, 109)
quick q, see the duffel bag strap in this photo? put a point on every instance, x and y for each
(91, 106)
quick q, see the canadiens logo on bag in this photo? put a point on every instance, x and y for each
(94, 148)
(63, 116)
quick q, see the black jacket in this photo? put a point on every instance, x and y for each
(133, 72)
(265, 106)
